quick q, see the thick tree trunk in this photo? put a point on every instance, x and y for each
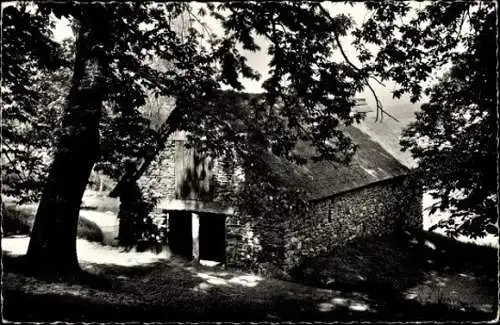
(52, 246)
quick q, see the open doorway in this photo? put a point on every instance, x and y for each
(179, 234)
(213, 237)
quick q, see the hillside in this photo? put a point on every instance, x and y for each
(388, 131)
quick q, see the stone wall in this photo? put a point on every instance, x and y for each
(226, 175)
(168, 170)
(254, 245)
(378, 209)
(159, 178)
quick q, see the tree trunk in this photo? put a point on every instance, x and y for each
(131, 216)
(52, 247)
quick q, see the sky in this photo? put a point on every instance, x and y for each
(259, 60)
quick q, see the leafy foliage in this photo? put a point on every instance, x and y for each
(125, 136)
(33, 95)
(454, 140)
(308, 93)
(405, 42)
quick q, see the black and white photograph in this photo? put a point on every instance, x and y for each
(274, 161)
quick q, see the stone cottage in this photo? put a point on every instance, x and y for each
(370, 196)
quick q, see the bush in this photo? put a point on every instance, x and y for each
(18, 220)
(89, 230)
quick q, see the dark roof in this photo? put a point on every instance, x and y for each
(321, 179)
(389, 131)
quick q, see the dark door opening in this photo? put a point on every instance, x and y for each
(179, 233)
(213, 237)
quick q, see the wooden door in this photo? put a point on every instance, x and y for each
(193, 174)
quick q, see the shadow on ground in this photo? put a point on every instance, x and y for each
(177, 290)
(425, 268)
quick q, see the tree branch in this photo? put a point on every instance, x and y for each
(365, 79)
(344, 55)
(341, 48)
(379, 106)
(203, 25)
(164, 131)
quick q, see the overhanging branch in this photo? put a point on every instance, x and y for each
(165, 130)
(365, 79)
(203, 25)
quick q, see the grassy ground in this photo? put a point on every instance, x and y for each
(18, 220)
(148, 287)
(424, 267)
(101, 209)
(100, 201)
(98, 218)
